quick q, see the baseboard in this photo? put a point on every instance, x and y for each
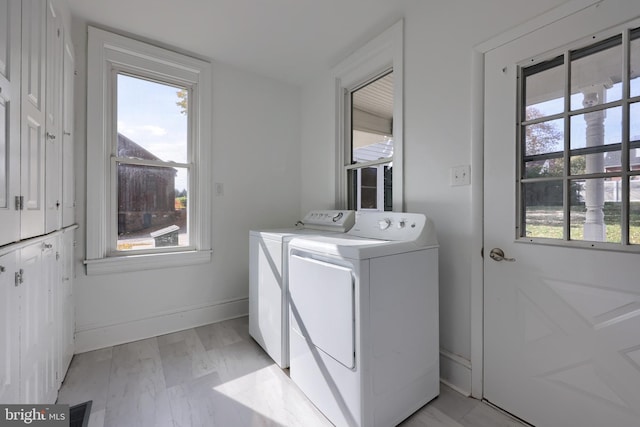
(101, 336)
(455, 371)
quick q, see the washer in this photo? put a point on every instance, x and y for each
(268, 299)
(364, 343)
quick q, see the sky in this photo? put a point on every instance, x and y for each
(149, 116)
(612, 122)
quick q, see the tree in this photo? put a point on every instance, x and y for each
(182, 101)
(542, 137)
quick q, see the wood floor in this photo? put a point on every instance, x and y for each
(216, 375)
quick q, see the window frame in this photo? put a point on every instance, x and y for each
(111, 54)
(378, 57)
(565, 56)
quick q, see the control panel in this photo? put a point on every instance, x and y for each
(337, 220)
(395, 226)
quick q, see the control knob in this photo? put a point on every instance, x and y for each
(384, 223)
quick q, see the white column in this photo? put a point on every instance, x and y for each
(594, 227)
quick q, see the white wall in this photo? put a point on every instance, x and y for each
(256, 129)
(439, 39)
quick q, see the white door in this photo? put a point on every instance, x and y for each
(33, 339)
(68, 177)
(65, 322)
(53, 116)
(9, 331)
(313, 286)
(51, 286)
(9, 120)
(33, 117)
(562, 324)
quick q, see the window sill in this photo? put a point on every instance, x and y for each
(130, 263)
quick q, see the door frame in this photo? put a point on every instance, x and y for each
(477, 172)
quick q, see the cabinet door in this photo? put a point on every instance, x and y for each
(33, 118)
(53, 116)
(66, 310)
(50, 278)
(38, 263)
(32, 320)
(68, 175)
(9, 338)
(9, 120)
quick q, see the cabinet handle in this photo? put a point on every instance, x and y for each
(47, 245)
(2, 269)
(51, 136)
(67, 133)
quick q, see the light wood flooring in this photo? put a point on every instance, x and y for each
(216, 375)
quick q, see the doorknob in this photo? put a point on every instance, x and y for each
(497, 254)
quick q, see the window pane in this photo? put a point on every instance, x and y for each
(371, 146)
(388, 185)
(597, 128)
(4, 153)
(595, 212)
(545, 137)
(544, 214)
(372, 121)
(597, 74)
(608, 161)
(544, 90)
(634, 122)
(634, 210)
(546, 167)
(369, 188)
(635, 63)
(152, 207)
(152, 120)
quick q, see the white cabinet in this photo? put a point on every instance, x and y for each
(37, 329)
(36, 188)
(9, 324)
(10, 49)
(36, 116)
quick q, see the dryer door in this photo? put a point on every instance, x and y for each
(322, 306)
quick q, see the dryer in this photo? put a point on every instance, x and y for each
(363, 310)
(268, 300)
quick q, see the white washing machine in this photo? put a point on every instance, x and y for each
(364, 341)
(268, 299)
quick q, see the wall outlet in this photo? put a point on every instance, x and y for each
(461, 175)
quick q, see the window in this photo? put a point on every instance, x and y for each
(369, 122)
(579, 135)
(148, 152)
(371, 153)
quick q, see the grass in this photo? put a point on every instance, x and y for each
(547, 222)
(613, 232)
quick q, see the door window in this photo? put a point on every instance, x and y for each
(579, 138)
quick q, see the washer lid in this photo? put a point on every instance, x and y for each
(284, 233)
(352, 247)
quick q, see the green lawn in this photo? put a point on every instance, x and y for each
(555, 232)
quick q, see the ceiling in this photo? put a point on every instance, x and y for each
(289, 40)
(376, 97)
